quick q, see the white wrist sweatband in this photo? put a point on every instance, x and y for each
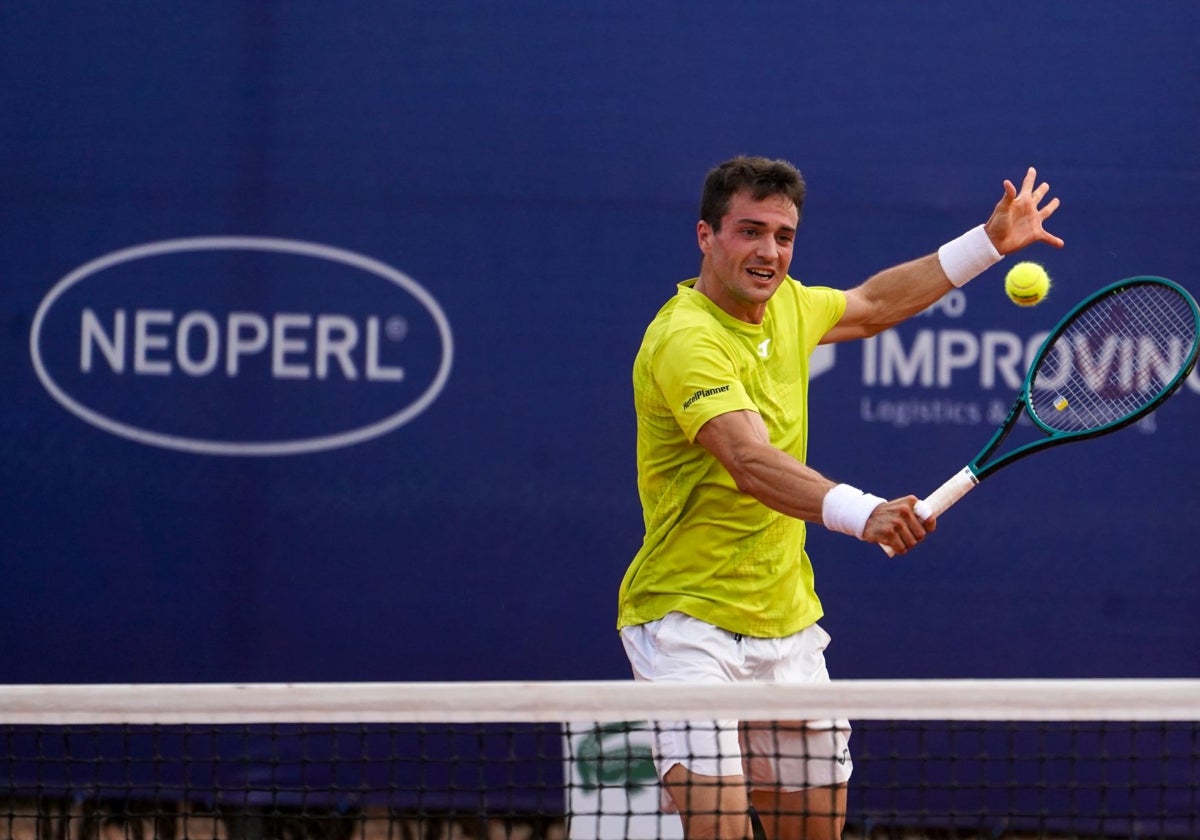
(967, 257)
(846, 509)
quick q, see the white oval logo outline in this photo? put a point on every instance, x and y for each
(244, 243)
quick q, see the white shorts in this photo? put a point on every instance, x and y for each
(789, 755)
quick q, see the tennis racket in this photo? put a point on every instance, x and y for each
(1112, 360)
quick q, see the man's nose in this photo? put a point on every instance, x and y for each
(768, 247)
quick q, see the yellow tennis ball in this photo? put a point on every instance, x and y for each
(1026, 284)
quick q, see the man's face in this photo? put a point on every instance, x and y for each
(746, 260)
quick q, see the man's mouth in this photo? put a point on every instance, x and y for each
(761, 273)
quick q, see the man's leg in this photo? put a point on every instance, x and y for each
(799, 769)
(812, 814)
(700, 762)
(711, 807)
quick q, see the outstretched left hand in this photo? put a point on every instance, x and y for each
(1017, 219)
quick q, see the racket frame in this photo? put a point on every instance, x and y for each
(968, 477)
(1054, 436)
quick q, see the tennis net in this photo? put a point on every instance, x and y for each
(443, 761)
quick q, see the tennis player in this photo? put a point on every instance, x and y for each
(722, 589)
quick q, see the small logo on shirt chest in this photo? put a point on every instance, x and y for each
(764, 349)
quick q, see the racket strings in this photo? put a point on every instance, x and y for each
(1118, 356)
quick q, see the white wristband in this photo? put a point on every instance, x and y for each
(846, 509)
(967, 257)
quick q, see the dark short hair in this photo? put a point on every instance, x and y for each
(760, 176)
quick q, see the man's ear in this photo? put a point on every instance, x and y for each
(704, 235)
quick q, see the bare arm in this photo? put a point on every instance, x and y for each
(739, 441)
(896, 294)
(890, 297)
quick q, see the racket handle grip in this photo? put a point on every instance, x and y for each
(943, 498)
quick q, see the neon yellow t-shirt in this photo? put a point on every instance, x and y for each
(711, 551)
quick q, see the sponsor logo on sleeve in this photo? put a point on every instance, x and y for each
(704, 392)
